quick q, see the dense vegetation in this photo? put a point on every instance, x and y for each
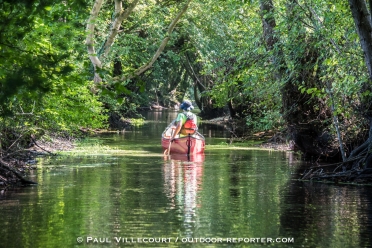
(302, 68)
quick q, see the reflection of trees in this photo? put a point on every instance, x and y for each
(300, 214)
(331, 213)
(182, 182)
(365, 219)
(161, 118)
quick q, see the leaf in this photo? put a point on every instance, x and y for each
(311, 90)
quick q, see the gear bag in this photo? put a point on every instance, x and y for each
(190, 126)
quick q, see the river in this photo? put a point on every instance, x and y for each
(118, 190)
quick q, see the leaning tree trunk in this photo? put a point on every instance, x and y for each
(363, 23)
(120, 16)
(96, 62)
(161, 47)
(362, 19)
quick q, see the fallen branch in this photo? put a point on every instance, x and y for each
(352, 175)
(33, 140)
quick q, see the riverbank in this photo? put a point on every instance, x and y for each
(15, 167)
(275, 140)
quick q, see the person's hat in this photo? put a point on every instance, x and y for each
(186, 105)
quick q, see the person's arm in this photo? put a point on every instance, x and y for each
(177, 130)
(179, 123)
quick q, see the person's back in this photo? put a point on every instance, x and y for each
(190, 125)
(186, 122)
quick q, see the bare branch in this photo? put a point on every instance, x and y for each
(148, 65)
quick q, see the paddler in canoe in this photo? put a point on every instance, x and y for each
(181, 135)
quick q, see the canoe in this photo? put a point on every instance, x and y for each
(191, 144)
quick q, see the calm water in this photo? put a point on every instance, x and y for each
(119, 190)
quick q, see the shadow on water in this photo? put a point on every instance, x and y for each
(119, 188)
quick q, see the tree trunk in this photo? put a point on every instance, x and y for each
(120, 16)
(363, 24)
(90, 39)
(362, 19)
(271, 39)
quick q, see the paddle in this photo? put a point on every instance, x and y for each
(169, 147)
(167, 151)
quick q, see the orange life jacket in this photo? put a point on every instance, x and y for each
(190, 126)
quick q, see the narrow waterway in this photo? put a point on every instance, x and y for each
(118, 190)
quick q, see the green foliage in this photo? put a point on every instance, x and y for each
(74, 108)
(137, 122)
(43, 82)
(31, 57)
(124, 104)
(135, 45)
(217, 48)
(267, 120)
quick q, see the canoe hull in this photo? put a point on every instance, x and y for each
(181, 145)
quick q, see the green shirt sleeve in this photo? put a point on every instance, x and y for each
(181, 117)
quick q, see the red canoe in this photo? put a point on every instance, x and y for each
(195, 143)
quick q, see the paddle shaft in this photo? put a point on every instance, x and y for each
(170, 143)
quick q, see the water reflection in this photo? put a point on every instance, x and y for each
(365, 216)
(325, 211)
(197, 158)
(182, 183)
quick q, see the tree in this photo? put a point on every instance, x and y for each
(44, 89)
(119, 16)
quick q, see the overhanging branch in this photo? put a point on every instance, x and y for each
(149, 64)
